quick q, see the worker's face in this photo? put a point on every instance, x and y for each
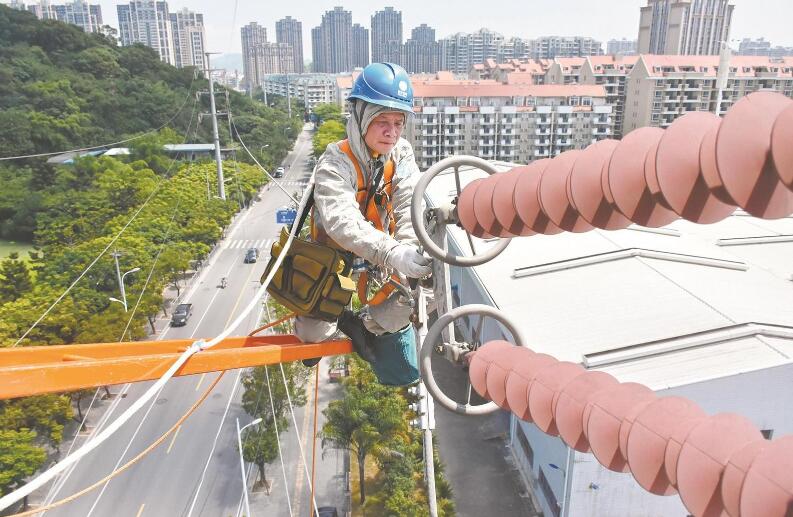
(384, 131)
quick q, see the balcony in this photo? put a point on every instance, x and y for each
(486, 143)
(486, 132)
(541, 153)
(690, 100)
(507, 143)
(508, 121)
(602, 121)
(565, 121)
(542, 143)
(433, 121)
(544, 121)
(601, 131)
(563, 131)
(487, 121)
(429, 131)
(564, 143)
(542, 132)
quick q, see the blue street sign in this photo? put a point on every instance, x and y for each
(285, 216)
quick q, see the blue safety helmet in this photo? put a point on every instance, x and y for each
(384, 84)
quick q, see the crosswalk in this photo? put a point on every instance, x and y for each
(242, 244)
(301, 183)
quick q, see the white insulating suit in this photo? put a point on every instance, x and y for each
(337, 213)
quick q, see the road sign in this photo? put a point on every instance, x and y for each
(285, 216)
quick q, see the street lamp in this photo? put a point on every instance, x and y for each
(261, 148)
(123, 300)
(242, 463)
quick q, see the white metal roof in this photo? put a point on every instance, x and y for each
(657, 307)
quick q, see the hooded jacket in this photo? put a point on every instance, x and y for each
(336, 209)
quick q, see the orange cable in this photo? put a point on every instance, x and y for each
(152, 446)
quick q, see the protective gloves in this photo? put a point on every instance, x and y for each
(405, 259)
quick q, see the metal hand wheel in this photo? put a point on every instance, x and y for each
(433, 345)
(419, 222)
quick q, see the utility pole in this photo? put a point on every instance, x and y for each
(218, 161)
(724, 73)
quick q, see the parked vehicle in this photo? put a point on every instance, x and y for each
(327, 511)
(181, 314)
(251, 255)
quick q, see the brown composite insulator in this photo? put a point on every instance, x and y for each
(627, 183)
(527, 199)
(552, 194)
(465, 211)
(719, 464)
(677, 172)
(504, 205)
(704, 457)
(568, 407)
(699, 168)
(743, 161)
(782, 146)
(586, 188)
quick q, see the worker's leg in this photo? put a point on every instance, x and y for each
(311, 330)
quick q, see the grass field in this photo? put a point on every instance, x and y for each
(8, 247)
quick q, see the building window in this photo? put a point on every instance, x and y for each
(548, 494)
(586, 101)
(528, 452)
(574, 101)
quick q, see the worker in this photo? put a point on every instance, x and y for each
(381, 104)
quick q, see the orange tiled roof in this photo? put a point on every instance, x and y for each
(491, 88)
(741, 66)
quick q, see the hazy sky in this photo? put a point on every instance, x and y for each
(601, 19)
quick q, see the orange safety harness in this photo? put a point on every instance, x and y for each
(381, 199)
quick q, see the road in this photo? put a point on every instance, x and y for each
(196, 471)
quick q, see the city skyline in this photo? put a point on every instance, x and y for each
(752, 19)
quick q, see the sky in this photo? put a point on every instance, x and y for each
(601, 19)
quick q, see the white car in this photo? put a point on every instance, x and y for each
(279, 172)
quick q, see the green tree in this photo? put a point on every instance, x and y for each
(20, 457)
(328, 112)
(366, 420)
(261, 444)
(329, 132)
(15, 278)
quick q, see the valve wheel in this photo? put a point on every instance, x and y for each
(434, 337)
(419, 225)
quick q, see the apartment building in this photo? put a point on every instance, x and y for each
(460, 51)
(761, 47)
(420, 52)
(290, 31)
(611, 72)
(147, 22)
(550, 47)
(624, 47)
(332, 42)
(312, 89)
(386, 35)
(506, 122)
(661, 88)
(188, 38)
(252, 35)
(565, 70)
(359, 46)
(688, 27)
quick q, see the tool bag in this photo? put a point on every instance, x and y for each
(313, 279)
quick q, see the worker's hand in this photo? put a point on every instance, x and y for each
(405, 259)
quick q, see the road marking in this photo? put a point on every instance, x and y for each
(140, 512)
(173, 440)
(200, 380)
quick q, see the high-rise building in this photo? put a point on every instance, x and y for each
(78, 12)
(252, 36)
(360, 46)
(147, 22)
(460, 51)
(550, 47)
(689, 27)
(332, 42)
(421, 51)
(761, 47)
(514, 123)
(622, 47)
(290, 31)
(188, 38)
(387, 36)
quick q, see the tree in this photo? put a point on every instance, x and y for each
(14, 278)
(261, 444)
(19, 458)
(328, 112)
(329, 132)
(366, 420)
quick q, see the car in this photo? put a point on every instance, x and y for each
(279, 172)
(251, 255)
(327, 511)
(181, 314)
